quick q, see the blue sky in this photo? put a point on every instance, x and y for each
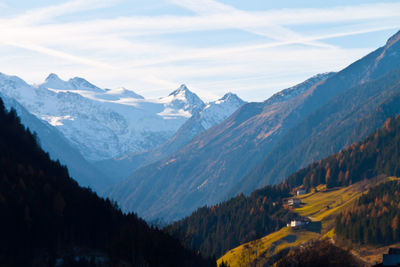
(253, 48)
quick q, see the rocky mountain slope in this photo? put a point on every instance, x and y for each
(344, 120)
(202, 171)
(209, 167)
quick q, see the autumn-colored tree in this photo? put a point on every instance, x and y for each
(375, 217)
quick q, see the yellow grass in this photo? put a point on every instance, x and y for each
(322, 205)
(325, 205)
(266, 246)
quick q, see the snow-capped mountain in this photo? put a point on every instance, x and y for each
(210, 115)
(183, 99)
(103, 123)
(54, 82)
(217, 111)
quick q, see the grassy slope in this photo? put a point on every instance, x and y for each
(320, 206)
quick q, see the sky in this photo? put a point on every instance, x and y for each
(253, 48)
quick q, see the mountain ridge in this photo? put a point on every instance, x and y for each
(250, 113)
(216, 160)
(320, 135)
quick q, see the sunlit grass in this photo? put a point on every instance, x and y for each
(320, 205)
(267, 246)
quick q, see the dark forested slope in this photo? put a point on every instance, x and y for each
(45, 215)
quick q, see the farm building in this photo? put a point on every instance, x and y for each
(293, 201)
(301, 191)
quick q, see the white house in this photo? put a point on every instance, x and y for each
(296, 223)
(293, 201)
(301, 191)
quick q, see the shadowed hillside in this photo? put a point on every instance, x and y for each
(46, 216)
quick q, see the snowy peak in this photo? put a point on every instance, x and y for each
(182, 90)
(82, 84)
(53, 81)
(229, 95)
(230, 98)
(15, 87)
(184, 94)
(12, 80)
(217, 111)
(53, 78)
(183, 99)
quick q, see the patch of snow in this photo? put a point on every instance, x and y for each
(56, 120)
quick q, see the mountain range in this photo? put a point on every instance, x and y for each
(163, 158)
(251, 147)
(103, 124)
(108, 133)
(211, 114)
(202, 171)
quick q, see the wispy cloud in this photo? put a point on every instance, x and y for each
(267, 29)
(40, 15)
(138, 50)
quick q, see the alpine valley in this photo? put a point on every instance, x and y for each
(92, 176)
